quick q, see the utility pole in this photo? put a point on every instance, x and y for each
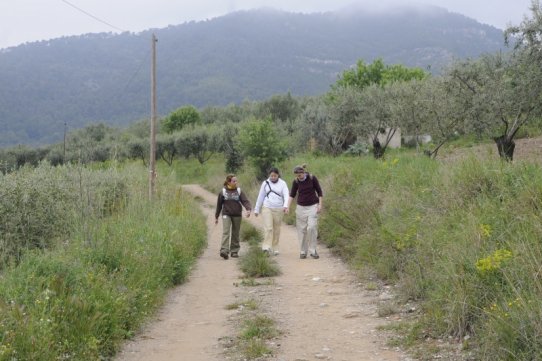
(64, 155)
(152, 161)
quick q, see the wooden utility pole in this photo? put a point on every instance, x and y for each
(152, 161)
(64, 151)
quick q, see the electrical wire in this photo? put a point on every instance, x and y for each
(92, 16)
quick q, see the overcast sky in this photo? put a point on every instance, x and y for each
(31, 20)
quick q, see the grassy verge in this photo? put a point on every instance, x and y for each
(80, 300)
(461, 239)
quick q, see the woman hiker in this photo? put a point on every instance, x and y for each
(273, 203)
(230, 203)
(309, 205)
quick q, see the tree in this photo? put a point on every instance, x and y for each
(230, 147)
(165, 148)
(506, 94)
(363, 76)
(373, 80)
(138, 148)
(345, 120)
(180, 118)
(315, 124)
(443, 111)
(200, 142)
(406, 106)
(377, 116)
(260, 143)
(283, 109)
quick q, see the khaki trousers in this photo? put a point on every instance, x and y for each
(230, 231)
(272, 220)
(306, 220)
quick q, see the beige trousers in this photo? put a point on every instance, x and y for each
(306, 220)
(272, 220)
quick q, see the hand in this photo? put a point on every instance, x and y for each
(255, 214)
(286, 210)
(216, 220)
(319, 208)
(248, 214)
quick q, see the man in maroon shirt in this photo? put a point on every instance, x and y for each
(309, 205)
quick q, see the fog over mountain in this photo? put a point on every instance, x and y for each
(244, 55)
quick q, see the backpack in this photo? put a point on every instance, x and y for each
(229, 197)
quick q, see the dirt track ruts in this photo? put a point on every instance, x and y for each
(321, 308)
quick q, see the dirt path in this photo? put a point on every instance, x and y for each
(318, 304)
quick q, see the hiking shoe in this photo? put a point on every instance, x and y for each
(315, 255)
(302, 256)
(224, 254)
(234, 255)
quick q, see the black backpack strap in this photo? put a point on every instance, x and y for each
(271, 190)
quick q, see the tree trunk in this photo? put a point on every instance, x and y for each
(378, 151)
(506, 147)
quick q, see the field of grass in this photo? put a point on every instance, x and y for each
(84, 290)
(460, 237)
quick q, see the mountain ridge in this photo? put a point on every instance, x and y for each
(249, 54)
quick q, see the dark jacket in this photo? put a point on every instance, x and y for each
(231, 204)
(308, 191)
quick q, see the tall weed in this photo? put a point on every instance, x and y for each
(80, 300)
(462, 238)
(42, 206)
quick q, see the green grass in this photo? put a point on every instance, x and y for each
(81, 299)
(256, 348)
(256, 264)
(254, 334)
(261, 327)
(251, 305)
(439, 231)
(250, 234)
(462, 239)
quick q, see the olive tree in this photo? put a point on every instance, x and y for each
(180, 118)
(345, 119)
(377, 115)
(443, 111)
(201, 142)
(165, 148)
(314, 124)
(260, 143)
(505, 92)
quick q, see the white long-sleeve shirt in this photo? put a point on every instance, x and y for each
(272, 195)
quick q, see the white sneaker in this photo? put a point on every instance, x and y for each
(276, 253)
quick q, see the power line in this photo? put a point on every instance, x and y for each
(92, 16)
(144, 61)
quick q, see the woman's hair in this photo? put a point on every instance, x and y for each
(228, 179)
(300, 168)
(273, 170)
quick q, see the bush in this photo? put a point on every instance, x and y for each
(81, 300)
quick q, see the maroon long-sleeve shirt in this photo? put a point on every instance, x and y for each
(308, 191)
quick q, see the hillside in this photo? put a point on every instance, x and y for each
(243, 55)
